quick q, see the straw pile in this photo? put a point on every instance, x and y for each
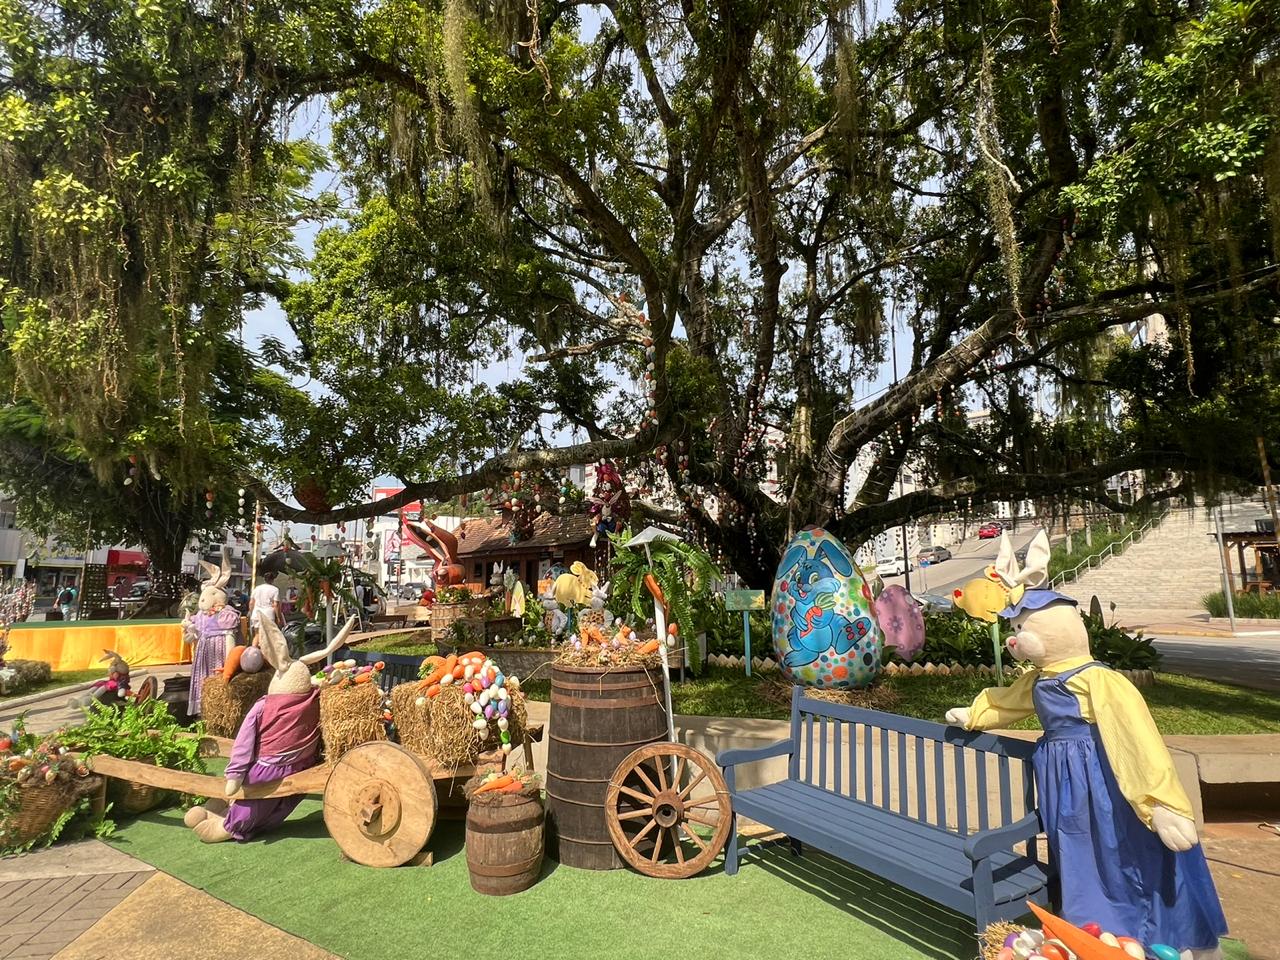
(350, 716)
(453, 741)
(413, 723)
(993, 938)
(878, 696)
(223, 705)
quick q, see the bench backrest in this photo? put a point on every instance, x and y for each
(960, 781)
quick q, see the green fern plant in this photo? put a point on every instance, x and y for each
(685, 573)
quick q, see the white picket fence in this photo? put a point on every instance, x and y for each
(1139, 678)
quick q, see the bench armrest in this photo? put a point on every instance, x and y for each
(729, 758)
(981, 845)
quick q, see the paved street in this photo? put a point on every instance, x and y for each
(969, 560)
(1248, 662)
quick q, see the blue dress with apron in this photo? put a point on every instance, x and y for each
(1114, 870)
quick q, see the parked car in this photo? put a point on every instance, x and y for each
(990, 530)
(934, 602)
(892, 566)
(933, 554)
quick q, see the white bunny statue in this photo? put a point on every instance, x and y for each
(1118, 822)
(599, 597)
(279, 737)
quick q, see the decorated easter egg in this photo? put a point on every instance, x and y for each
(1006, 953)
(823, 629)
(1010, 940)
(1109, 939)
(251, 660)
(1132, 947)
(1092, 929)
(1162, 951)
(901, 621)
(1052, 950)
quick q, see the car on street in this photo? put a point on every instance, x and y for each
(933, 555)
(990, 530)
(892, 566)
(934, 603)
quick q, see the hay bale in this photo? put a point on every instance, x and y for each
(992, 938)
(350, 716)
(413, 723)
(454, 741)
(223, 705)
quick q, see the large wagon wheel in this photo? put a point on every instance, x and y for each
(380, 804)
(667, 819)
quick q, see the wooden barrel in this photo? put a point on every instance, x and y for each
(598, 716)
(504, 842)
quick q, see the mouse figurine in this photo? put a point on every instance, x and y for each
(279, 737)
(1119, 825)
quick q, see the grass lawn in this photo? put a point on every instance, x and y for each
(60, 679)
(1180, 704)
(410, 643)
(778, 906)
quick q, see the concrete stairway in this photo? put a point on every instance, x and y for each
(1170, 569)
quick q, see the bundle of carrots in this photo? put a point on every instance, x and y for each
(345, 673)
(499, 782)
(440, 672)
(623, 646)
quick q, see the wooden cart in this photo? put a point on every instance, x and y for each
(381, 801)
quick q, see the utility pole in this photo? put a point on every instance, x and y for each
(1271, 493)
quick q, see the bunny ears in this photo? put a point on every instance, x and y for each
(218, 577)
(1024, 584)
(1033, 574)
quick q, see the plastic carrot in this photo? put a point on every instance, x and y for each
(495, 784)
(432, 678)
(648, 647)
(433, 691)
(512, 787)
(363, 678)
(652, 584)
(450, 663)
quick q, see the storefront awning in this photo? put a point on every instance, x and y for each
(118, 559)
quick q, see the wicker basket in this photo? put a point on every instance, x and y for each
(129, 798)
(39, 806)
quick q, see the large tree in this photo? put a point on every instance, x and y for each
(691, 217)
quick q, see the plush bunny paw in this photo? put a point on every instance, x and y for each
(197, 814)
(958, 716)
(1175, 831)
(211, 830)
(232, 787)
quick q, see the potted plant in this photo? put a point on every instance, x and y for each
(685, 573)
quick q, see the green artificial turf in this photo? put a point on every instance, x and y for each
(778, 906)
(1179, 704)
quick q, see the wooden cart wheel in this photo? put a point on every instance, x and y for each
(380, 804)
(667, 808)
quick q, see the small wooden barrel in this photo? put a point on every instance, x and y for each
(504, 842)
(598, 716)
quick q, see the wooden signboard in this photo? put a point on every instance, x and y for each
(746, 601)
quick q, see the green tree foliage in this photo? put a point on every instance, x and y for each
(724, 203)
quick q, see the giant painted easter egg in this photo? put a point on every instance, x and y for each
(823, 630)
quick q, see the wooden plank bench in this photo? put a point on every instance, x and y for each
(873, 789)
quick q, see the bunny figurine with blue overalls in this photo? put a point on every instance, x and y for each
(1119, 825)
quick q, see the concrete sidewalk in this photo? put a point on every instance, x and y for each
(52, 711)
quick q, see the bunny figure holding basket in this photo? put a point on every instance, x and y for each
(280, 736)
(1118, 822)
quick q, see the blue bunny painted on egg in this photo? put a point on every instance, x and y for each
(823, 628)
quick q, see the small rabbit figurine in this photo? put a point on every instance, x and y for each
(599, 597)
(279, 737)
(1118, 822)
(108, 692)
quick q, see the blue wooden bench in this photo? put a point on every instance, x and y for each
(873, 790)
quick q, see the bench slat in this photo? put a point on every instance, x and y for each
(922, 801)
(868, 768)
(822, 753)
(940, 783)
(1006, 792)
(902, 773)
(838, 753)
(808, 753)
(962, 793)
(984, 817)
(885, 795)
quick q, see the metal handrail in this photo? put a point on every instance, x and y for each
(1110, 550)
